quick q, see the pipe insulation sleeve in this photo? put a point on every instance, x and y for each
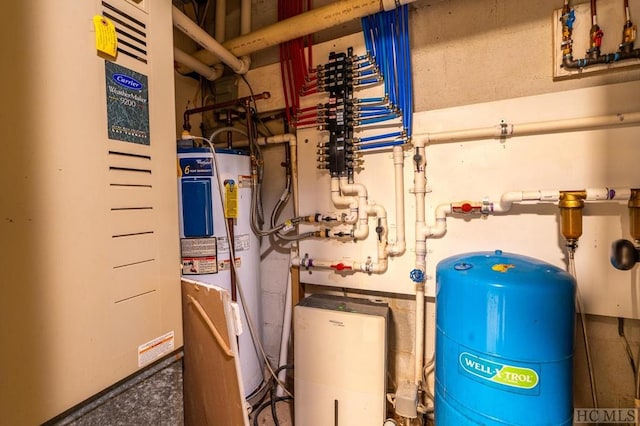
(210, 73)
(321, 18)
(200, 36)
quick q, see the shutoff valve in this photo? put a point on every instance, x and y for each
(417, 276)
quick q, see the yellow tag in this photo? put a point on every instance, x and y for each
(106, 37)
(502, 267)
(230, 200)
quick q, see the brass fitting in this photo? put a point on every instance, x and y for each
(571, 205)
(634, 215)
(629, 33)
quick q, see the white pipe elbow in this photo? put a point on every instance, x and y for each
(397, 249)
(376, 210)
(244, 65)
(361, 231)
(353, 188)
(283, 138)
(339, 200)
(507, 200)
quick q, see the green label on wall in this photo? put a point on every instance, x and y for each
(127, 104)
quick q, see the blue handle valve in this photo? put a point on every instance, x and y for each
(417, 275)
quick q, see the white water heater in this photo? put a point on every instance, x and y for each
(204, 244)
(89, 250)
(341, 361)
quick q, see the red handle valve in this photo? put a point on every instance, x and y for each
(341, 267)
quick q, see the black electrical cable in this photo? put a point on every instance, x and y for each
(267, 404)
(627, 347)
(274, 412)
(273, 400)
(255, 106)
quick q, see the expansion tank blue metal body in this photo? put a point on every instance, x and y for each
(504, 341)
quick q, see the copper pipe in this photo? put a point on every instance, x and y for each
(240, 101)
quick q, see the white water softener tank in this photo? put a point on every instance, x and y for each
(203, 238)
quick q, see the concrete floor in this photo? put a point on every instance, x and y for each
(284, 411)
(155, 399)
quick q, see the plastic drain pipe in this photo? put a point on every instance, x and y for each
(321, 18)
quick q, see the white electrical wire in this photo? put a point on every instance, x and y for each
(254, 336)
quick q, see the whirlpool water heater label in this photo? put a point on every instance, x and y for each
(127, 104)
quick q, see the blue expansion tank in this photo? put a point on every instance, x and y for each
(504, 341)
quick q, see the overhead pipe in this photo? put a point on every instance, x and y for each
(221, 20)
(306, 23)
(200, 36)
(210, 73)
(245, 16)
(505, 130)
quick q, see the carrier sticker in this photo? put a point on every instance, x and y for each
(156, 348)
(496, 372)
(503, 267)
(127, 104)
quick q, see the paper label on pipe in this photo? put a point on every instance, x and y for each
(106, 37)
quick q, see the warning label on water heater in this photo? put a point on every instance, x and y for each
(199, 256)
(127, 104)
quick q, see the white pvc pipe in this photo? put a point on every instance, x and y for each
(399, 247)
(420, 189)
(286, 334)
(210, 73)
(419, 344)
(535, 128)
(321, 18)
(200, 36)
(221, 20)
(361, 230)
(506, 202)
